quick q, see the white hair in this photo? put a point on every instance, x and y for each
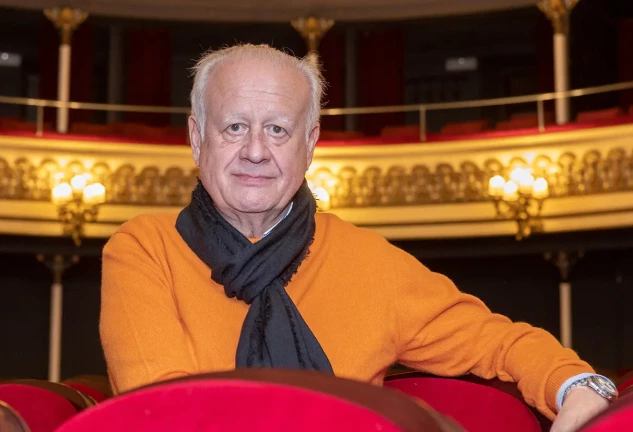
(204, 68)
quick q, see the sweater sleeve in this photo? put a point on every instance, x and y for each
(448, 333)
(141, 333)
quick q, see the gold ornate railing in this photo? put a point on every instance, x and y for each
(402, 191)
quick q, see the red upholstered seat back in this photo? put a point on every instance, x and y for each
(598, 115)
(464, 127)
(625, 382)
(617, 418)
(211, 405)
(476, 407)
(41, 409)
(95, 394)
(10, 420)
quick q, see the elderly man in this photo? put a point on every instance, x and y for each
(249, 275)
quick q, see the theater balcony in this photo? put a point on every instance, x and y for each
(406, 184)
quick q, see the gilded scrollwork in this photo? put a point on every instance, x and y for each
(349, 186)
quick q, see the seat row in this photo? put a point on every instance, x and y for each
(274, 400)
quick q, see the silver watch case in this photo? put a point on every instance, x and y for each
(601, 386)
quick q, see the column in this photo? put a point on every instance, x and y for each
(564, 261)
(57, 264)
(115, 70)
(312, 30)
(66, 20)
(350, 77)
(558, 12)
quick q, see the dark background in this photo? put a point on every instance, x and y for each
(512, 278)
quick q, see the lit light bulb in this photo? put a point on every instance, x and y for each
(495, 186)
(62, 193)
(94, 194)
(510, 191)
(78, 182)
(526, 181)
(540, 189)
(323, 198)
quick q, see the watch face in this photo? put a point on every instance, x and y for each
(605, 384)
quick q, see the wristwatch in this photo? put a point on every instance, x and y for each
(603, 387)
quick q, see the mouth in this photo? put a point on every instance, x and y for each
(253, 180)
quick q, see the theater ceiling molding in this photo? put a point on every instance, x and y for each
(277, 11)
(409, 191)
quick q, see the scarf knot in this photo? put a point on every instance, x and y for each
(274, 334)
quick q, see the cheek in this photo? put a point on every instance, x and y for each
(293, 162)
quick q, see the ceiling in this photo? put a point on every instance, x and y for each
(275, 10)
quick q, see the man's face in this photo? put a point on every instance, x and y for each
(254, 153)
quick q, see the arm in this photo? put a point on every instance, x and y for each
(142, 337)
(449, 333)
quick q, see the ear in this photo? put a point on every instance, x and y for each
(195, 139)
(312, 140)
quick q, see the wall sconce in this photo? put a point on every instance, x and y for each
(519, 198)
(321, 195)
(77, 202)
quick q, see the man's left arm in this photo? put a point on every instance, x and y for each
(448, 333)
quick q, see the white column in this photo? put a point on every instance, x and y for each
(558, 11)
(66, 20)
(63, 86)
(115, 67)
(561, 76)
(564, 289)
(57, 264)
(55, 332)
(350, 77)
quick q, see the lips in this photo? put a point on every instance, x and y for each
(253, 180)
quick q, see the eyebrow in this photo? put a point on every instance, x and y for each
(228, 118)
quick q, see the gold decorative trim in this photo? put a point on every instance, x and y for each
(377, 185)
(401, 191)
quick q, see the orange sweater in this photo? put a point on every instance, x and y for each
(368, 303)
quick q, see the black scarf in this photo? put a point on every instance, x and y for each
(273, 334)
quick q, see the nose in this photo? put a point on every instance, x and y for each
(255, 149)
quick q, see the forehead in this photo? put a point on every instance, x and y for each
(236, 84)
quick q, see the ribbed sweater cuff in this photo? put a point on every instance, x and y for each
(557, 379)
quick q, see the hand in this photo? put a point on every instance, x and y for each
(581, 405)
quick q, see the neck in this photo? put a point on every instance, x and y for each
(253, 225)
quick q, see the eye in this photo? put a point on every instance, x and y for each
(277, 130)
(235, 127)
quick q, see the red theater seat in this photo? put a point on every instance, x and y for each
(77, 399)
(99, 385)
(599, 115)
(41, 409)
(95, 394)
(10, 420)
(261, 400)
(327, 135)
(617, 418)
(524, 121)
(625, 382)
(475, 406)
(405, 132)
(465, 127)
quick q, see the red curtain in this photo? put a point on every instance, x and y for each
(332, 53)
(82, 72)
(148, 77)
(380, 76)
(625, 60)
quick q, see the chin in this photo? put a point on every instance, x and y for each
(246, 203)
